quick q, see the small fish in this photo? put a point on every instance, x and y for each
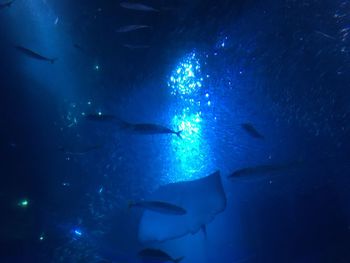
(79, 152)
(101, 117)
(131, 46)
(156, 255)
(160, 207)
(4, 5)
(325, 35)
(249, 128)
(149, 129)
(260, 171)
(34, 55)
(129, 28)
(138, 7)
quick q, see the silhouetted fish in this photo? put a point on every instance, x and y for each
(129, 28)
(138, 7)
(156, 255)
(160, 207)
(131, 46)
(148, 128)
(79, 152)
(262, 170)
(7, 4)
(34, 55)
(249, 128)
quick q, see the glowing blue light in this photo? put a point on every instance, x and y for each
(185, 79)
(207, 95)
(78, 232)
(97, 67)
(191, 151)
(99, 113)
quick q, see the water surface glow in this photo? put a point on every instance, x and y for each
(191, 151)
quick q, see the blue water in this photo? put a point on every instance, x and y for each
(204, 68)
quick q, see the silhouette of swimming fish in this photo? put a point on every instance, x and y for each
(250, 129)
(4, 5)
(32, 54)
(138, 7)
(129, 28)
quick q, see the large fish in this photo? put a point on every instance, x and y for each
(138, 128)
(129, 28)
(160, 207)
(7, 4)
(156, 255)
(138, 7)
(250, 129)
(34, 55)
(149, 129)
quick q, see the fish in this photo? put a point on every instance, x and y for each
(262, 170)
(149, 129)
(129, 28)
(5, 5)
(79, 152)
(34, 55)
(157, 255)
(250, 129)
(132, 46)
(101, 117)
(160, 207)
(138, 7)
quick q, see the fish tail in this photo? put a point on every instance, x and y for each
(178, 134)
(177, 260)
(53, 60)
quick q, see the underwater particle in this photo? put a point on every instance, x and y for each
(97, 67)
(100, 190)
(89, 103)
(23, 203)
(42, 237)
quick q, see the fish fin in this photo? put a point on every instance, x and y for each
(177, 260)
(53, 60)
(178, 133)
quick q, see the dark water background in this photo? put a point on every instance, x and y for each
(281, 65)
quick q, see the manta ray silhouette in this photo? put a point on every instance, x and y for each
(203, 199)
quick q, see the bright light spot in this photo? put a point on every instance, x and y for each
(89, 102)
(185, 78)
(209, 103)
(100, 190)
(42, 237)
(207, 95)
(97, 67)
(99, 113)
(191, 151)
(23, 203)
(78, 232)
